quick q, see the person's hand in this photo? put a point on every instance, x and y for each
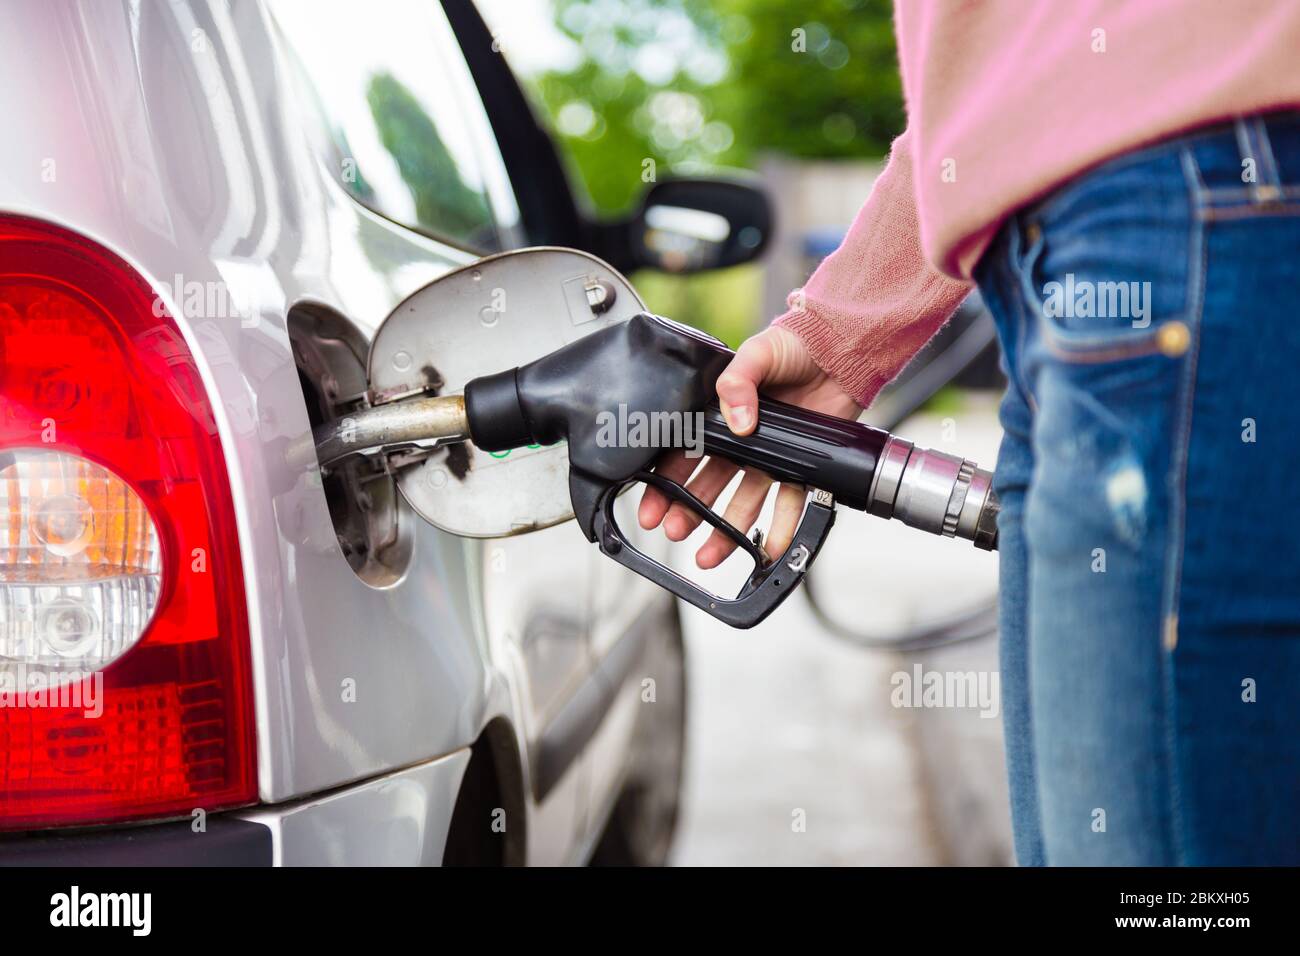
(777, 360)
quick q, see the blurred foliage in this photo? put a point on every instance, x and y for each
(840, 97)
(706, 82)
(444, 203)
(724, 302)
(640, 91)
(691, 84)
(949, 400)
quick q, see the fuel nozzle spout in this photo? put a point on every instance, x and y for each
(383, 427)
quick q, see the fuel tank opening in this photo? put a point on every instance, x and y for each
(372, 523)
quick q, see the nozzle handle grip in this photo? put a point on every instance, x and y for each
(802, 446)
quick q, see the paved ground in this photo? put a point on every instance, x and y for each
(797, 755)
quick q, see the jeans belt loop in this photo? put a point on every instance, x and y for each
(1257, 151)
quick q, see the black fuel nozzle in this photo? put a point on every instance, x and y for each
(651, 366)
(648, 367)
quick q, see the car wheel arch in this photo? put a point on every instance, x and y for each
(489, 825)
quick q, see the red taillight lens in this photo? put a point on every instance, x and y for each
(110, 457)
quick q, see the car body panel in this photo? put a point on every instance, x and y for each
(398, 819)
(168, 133)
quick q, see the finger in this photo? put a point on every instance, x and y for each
(742, 511)
(785, 518)
(707, 485)
(738, 384)
(675, 466)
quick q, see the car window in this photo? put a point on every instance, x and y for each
(400, 123)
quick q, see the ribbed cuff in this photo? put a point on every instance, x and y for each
(841, 359)
(837, 357)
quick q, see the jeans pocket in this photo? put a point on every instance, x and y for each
(1106, 268)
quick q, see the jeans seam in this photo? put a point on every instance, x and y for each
(1092, 352)
(1241, 211)
(1176, 531)
(1024, 316)
(1245, 193)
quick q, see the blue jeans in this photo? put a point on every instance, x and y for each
(1150, 486)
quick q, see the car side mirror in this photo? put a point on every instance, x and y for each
(691, 225)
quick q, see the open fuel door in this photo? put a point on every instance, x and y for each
(502, 311)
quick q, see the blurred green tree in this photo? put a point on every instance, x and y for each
(672, 85)
(706, 82)
(814, 79)
(444, 203)
(639, 93)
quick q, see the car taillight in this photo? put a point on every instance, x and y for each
(79, 563)
(125, 687)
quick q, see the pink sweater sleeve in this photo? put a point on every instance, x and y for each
(875, 301)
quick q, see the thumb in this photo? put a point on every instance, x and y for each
(739, 381)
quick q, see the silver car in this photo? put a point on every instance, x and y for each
(206, 210)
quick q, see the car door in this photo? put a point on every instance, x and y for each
(405, 125)
(624, 607)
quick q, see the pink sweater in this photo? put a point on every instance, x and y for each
(1006, 100)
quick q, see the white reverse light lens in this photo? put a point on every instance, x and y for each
(79, 562)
